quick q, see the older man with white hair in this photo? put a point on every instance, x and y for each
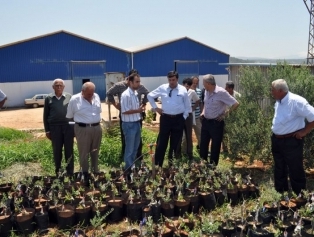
(216, 102)
(57, 126)
(85, 109)
(289, 129)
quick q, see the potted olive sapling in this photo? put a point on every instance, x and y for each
(209, 226)
(5, 217)
(270, 198)
(181, 203)
(23, 216)
(41, 216)
(206, 194)
(97, 223)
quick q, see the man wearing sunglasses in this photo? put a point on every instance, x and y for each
(175, 109)
(57, 126)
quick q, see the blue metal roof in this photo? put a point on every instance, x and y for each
(159, 59)
(49, 56)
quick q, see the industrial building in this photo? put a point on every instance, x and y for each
(28, 67)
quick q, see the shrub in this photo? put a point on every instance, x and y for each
(248, 129)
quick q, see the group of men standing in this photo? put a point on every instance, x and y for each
(183, 107)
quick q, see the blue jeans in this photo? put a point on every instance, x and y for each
(132, 136)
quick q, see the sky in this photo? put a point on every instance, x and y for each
(277, 29)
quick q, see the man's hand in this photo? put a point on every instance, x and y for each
(300, 134)
(117, 106)
(48, 135)
(159, 111)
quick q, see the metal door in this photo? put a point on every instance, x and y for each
(83, 71)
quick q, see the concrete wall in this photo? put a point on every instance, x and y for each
(17, 92)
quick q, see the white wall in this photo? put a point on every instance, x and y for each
(18, 91)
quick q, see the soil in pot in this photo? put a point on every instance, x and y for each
(288, 205)
(24, 221)
(299, 201)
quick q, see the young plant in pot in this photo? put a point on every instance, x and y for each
(5, 217)
(307, 212)
(228, 225)
(220, 196)
(42, 220)
(23, 217)
(181, 203)
(301, 199)
(286, 203)
(270, 198)
(206, 195)
(272, 230)
(209, 227)
(167, 206)
(97, 223)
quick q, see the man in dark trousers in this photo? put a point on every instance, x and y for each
(175, 109)
(216, 101)
(289, 129)
(116, 90)
(57, 126)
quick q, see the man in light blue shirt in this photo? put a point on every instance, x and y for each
(176, 107)
(289, 129)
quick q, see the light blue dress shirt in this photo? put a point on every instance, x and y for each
(290, 114)
(177, 103)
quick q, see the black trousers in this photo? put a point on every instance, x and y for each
(139, 149)
(211, 130)
(62, 136)
(188, 125)
(288, 158)
(170, 128)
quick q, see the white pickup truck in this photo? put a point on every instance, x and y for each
(37, 100)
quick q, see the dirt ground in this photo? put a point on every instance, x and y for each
(32, 118)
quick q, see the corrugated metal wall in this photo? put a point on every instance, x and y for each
(49, 57)
(159, 60)
(89, 71)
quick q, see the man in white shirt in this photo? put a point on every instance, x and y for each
(289, 129)
(131, 110)
(175, 109)
(85, 109)
(187, 142)
(3, 98)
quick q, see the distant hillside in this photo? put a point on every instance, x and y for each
(266, 60)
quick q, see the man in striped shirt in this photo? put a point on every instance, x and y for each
(216, 101)
(198, 124)
(116, 90)
(131, 110)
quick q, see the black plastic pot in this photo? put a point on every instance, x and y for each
(208, 201)
(233, 197)
(194, 204)
(66, 217)
(5, 225)
(117, 206)
(83, 216)
(227, 232)
(25, 223)
(220, 198)
(167, 209)
(181, 207)
(134, 211)
(52, 213)
(42, 221)
(156, 212)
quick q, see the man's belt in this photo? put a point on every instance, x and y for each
(88, 124)
(285, 135)
(173, 115)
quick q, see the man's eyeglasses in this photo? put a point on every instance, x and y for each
(170, 92)
(58, 85)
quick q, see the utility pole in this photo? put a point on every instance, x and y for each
(310, 54)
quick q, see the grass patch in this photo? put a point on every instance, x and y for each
(9, 134)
